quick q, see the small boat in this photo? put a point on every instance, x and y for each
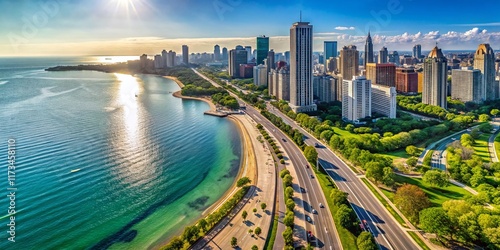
(75, 170)
(108, 58)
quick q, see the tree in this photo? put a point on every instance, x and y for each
(255, 247)
(412, 161)
(234, 242)
(243, 181)
(365, 241)
(435, 220)
(175, 243)
(412, 150)
(484, 118)
(339, 197)
(250, 231)
(467, 140)
(288, 236)
(410, 199)
(258, 231)
(388, 178)
(475, 133)
(244, 215)
(311, 154)
(494, 112)
(254, 210)
(375, 170)
(485, 128)
(190, 234)
(203, 224)
(290, 204)
(263, 205)
(284, 172)
(288, 192)
(287, 180)
(289, 219)
(345, 216)
(436, 178)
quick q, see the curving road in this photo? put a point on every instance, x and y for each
(321, 225)
(387, 232)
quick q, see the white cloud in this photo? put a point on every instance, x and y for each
(344, 28)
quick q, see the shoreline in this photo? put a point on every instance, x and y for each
(248, 164)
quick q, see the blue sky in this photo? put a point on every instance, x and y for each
(132, 26)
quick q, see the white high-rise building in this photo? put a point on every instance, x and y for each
(283, 84)
(484, 60)
(260, 75)
(356, 98)
(158, 62)
(301, 67)
(249, 53)
(384, 100)
(171, 58)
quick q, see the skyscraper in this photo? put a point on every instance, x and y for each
(225, 55)
(484, 60)
(164, 55)
(270, 60)
(237, 57)
(217, 52)
(435, 77)
(368, 50)
(260, 75)
(171, 58)
(349, 62)
(394, 57)
(330, 49)
(384, 100)
(406, 80)
(417, 51)
(249, 53)
(467, 85)
(262, 49)
(301, 67)
(356, 98)
(383, 55)
(185, 54)
(381, 73)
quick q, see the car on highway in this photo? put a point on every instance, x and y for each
(302, 190)
(308, 219)
(316, 145)
(312, 176)
(283, 139)
(307, 166)
(314, 211)
(321, 205)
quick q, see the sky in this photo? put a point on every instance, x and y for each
(134, 27)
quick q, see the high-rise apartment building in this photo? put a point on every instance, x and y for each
(394, 57)
(417, 51)
(171, 58)
(262, 49)
(260, 75)
(368, 50)
(185, 54)
(382, 74)
(283, 84)
(356, 98)
(270, 60)
(484, 60)
(225, 55)
(349, 62)
(301, 67)
(249, 53)
(331, 65)
(325, 88)
(164, 56)
(406, 80)
(435, 78)
(383, 55)
(467, 85)
(157, 62)
(384, 100)
(237, 57)
(330, 49)
(217, 53)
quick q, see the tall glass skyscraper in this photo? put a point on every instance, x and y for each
(330, 49)
(262, 49)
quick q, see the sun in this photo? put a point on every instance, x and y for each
(126, 6)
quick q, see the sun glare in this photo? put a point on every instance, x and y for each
(126, 6)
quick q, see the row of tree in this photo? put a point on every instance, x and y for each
(290, 206)
(192, 233)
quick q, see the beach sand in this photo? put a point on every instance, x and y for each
(248, 163)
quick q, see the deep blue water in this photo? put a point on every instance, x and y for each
(98, 166)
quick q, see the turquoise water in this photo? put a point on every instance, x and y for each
(99, 167)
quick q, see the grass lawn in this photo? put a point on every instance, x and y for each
(397, 154)
(347, 239)
(419, 241)
(497, 145)
(481, 147)
(344, 133)
(436, 195)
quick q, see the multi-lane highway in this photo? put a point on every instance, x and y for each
(321, 225)
(387, 232)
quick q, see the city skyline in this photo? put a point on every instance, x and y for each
(130, 27)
